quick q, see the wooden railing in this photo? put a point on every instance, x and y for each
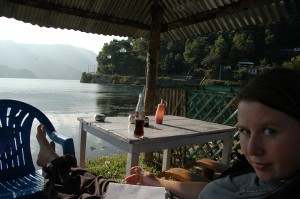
(176, 100)
(213, 104)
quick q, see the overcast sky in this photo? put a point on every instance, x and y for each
(20, 32)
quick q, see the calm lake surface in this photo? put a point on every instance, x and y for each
(65, 100)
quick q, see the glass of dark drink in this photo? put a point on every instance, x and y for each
(139, 127)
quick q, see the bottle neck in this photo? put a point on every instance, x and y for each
(140, 108)
(162, 102)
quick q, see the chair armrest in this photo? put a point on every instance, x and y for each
(210, 167)
(66, 142)
(211, 164)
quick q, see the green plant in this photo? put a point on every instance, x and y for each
(108, 167)
(85, 77)
(114, 167)
(214, 82)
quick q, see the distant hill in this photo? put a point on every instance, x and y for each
(44, 61)
(11, 73)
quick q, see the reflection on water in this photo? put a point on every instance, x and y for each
(65, 100)
(117, 104)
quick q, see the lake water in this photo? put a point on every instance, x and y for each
(65, 100)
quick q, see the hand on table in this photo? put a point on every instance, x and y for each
(142, 177)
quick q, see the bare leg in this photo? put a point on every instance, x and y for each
(46, 153)
(64, 179)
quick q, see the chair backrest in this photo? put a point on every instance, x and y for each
(16, 119)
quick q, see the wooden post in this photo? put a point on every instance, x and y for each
(152, 64)
(152, 58)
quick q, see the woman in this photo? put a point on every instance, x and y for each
(269, 126)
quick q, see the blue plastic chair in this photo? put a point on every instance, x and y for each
(18, 176)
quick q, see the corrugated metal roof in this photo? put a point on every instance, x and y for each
(181, 19)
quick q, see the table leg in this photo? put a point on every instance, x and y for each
(166, 159)
(82, 146)
(132, 160)
(227, 149)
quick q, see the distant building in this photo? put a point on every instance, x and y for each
(234, 72)
(252, 70)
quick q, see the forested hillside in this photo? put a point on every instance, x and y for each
(265, 45)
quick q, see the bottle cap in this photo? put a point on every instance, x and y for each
(100, 117)
(146, 122)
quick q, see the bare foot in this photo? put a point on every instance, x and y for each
(46, 153)
(52, 144)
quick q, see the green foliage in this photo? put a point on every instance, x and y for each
(123, 57)
(242, 47)
(241, 73)
(214, 82)
(114, 167)
(140, 46)
(196, 50)
(217, 53)
(263, 62)
(294, 63)
(108, 167)
(126, 79)
(86, 77)
(115, 79)
(270, 37)
(261, 44)
(119, 79)
(171, 60)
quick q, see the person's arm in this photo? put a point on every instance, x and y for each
(183, 190)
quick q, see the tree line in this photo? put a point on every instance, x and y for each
(265, 45)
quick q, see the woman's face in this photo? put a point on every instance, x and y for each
(270, 140)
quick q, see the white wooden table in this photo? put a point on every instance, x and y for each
(174, 132)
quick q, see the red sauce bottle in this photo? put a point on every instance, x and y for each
(160, 111)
